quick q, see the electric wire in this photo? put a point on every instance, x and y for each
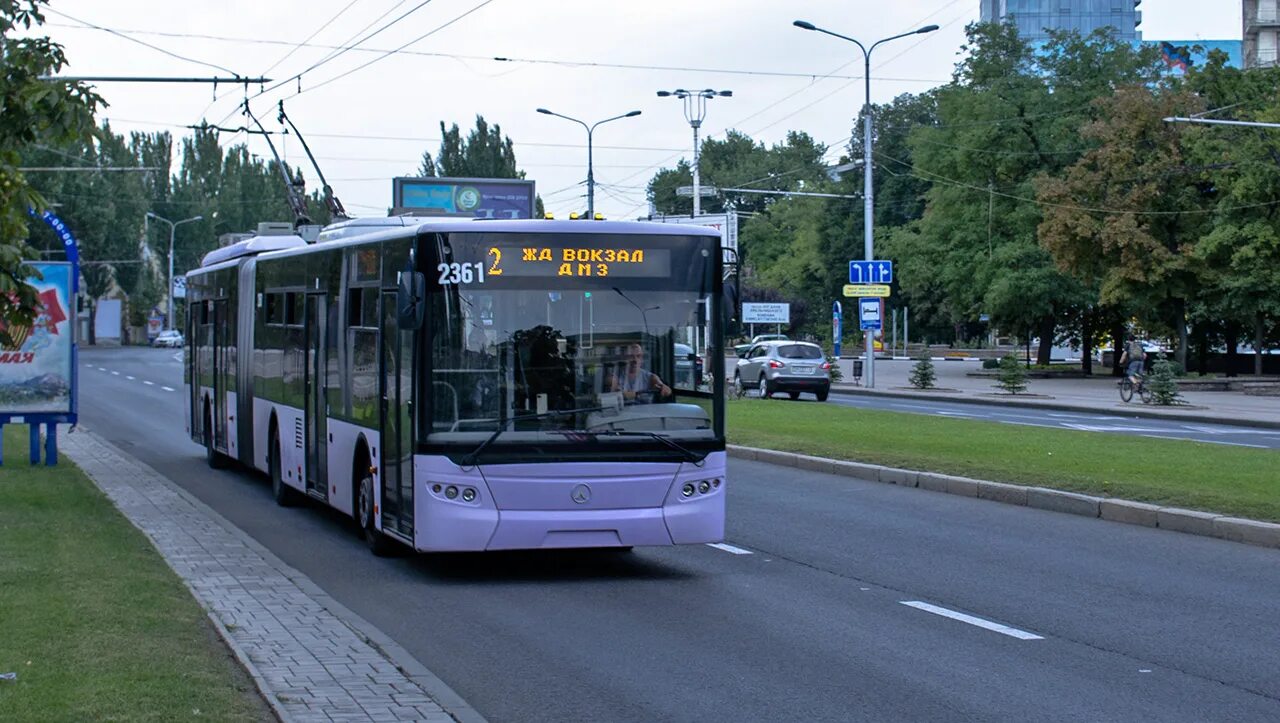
(303, 44)
(156, 48)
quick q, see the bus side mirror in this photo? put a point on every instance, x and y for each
(411, 300)
(730, 299)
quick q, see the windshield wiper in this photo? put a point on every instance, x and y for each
(692, 456)
(474, 455)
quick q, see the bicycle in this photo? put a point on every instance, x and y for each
(1127, 388)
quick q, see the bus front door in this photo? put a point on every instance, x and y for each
(222, 373)
(315, 317)
(396, 387)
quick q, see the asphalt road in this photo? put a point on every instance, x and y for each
(804, 615)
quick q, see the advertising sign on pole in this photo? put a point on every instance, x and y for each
(464, 197)
(837, 329)
(766, 313)
(36, 367)
(725, 223)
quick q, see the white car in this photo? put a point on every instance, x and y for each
(168, 338)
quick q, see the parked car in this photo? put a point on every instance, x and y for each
(688, 367)
(740, 349)
(168, 338)
(784, 366)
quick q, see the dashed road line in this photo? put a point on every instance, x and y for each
(102, 369)
(167, 389)
(729, 548)
(115, 374)
(150, 384)
(130, 378)
(971, 620)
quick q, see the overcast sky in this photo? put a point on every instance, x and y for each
(403, 97)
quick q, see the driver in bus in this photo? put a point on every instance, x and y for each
(635, 380)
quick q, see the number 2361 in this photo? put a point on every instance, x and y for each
(461, 273)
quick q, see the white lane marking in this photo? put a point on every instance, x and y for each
(1083, 416)
(102, 369)
(1117, 428)
(128, 377)
(150, 384)
(729, 548)
(167, 389)
(115, 374)
(1028, 424)
(957, 414)
(1231, 430)
(979, 622)
(1211, 441)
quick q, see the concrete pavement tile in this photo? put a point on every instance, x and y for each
(1131, 513)
(1058, 501)
(1001, 492)
(1192, 521)
(1253, 532)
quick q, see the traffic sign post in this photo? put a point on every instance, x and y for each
(837, 329)
(869, 280)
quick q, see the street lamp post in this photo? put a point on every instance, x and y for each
(591, 177)
(868, 202)
(695, 111)
(172, 228)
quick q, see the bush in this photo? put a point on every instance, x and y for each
(1012, 378)
(990, 363)
(1163, 382)
(923, 374)
(836, 373)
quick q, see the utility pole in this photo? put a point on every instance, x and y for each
(172, 228)
(591, 176)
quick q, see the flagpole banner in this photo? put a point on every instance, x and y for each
(36, 368)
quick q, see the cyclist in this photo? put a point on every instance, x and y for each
(1135, 356)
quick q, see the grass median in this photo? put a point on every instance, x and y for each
(93, 622)
(1232, 480)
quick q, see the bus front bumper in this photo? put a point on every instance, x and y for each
(540, 507)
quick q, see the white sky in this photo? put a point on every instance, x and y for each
(406, 96)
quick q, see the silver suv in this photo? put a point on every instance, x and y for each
(784, 366)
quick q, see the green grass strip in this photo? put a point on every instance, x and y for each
(1232, 480)
(92, 620)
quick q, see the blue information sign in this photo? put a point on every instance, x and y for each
(870, 272)
(464, 197)
(869, 314)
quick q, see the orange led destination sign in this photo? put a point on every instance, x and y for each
(564, 261)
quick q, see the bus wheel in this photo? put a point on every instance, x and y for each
(284, 495)
(378, 543)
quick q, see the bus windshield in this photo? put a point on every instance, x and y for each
(585, 339)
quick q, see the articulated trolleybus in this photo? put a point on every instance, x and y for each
(472, 384)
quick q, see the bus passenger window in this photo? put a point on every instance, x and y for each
(353, 307)
(293, 309)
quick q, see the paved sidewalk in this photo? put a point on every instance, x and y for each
(1097, 394)
(308, 663)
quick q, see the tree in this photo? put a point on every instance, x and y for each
(33, 111)
(1127, 215)
(1163, 383)
(923, 375)
(484, 153)
(1012, 377)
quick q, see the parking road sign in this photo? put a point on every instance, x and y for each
(871, 272)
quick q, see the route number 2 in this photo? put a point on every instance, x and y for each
(456, 273)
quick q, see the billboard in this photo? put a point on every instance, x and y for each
(36, 369)
(1179, 56)
(725, 223)
(766, 313)
(463, 197)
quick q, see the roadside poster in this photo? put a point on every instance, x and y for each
(36, 369)
(759, 313)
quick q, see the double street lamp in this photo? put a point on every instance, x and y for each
(172, 228)
(867, 180)
(695, 111)
(591, 178)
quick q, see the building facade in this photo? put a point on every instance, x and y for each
(1261, 28)
(1034, 17)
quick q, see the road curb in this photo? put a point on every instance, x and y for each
(1129, 512)
(1063, 407)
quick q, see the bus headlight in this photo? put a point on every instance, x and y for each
(468, 495)
(451, 492)
(704, 486)
(687, 490)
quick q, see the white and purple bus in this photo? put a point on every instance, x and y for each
(472, 384)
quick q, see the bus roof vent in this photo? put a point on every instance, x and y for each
(251, 247)
(275, 228)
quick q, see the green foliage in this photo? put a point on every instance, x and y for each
(31, 111)
(1013, 377)
(484, 153)
(837, 374)
(923, 375)
(1163, 382)
(990, 363)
